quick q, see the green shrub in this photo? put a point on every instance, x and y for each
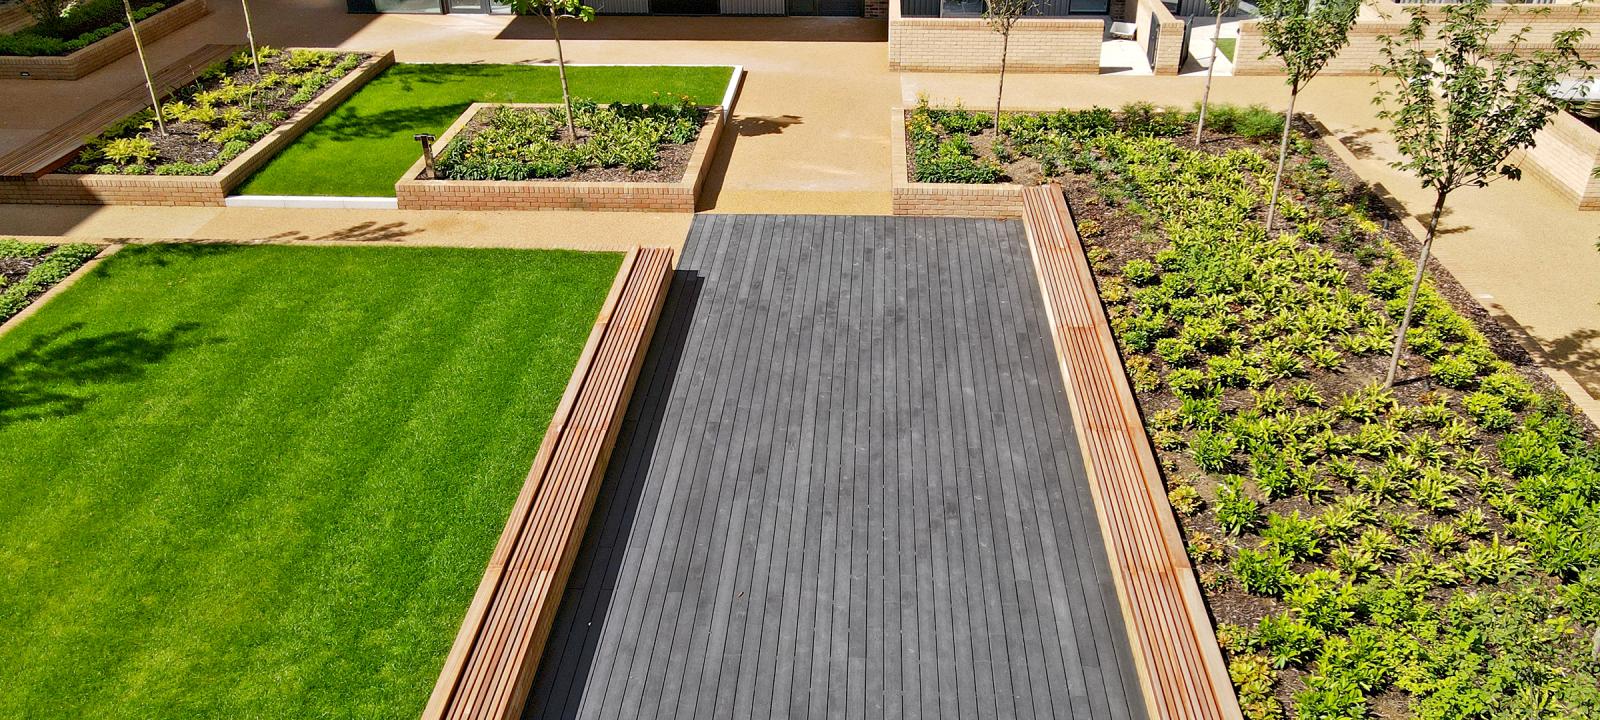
(1236, 511)
(1262, 572)
(1213, 451)
(1293, 536)
(526, 143)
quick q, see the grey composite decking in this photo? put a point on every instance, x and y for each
(847, 487)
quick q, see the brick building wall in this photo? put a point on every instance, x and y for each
(968, 45)
(1565, 155)
(104, 52)
(1387, 18)
(1169, 46)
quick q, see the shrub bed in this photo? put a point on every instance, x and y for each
(957, 145)
(1430, 551)
(619, 142)
(84, 24)
(27, 270)
(217, 117)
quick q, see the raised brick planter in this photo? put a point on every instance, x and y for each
(1566, 154)
(943, 199)
(208, 190)
(414, 193)
(104, 52)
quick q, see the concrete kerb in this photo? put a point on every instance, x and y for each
(58, 288)
(729, 96)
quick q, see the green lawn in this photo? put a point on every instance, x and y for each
(262, 482)
(362, 148)
(1226, 46)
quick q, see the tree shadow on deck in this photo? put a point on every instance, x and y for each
(569, 655)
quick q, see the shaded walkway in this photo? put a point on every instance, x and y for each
(847, 487)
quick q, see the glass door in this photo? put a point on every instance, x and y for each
(468, 6)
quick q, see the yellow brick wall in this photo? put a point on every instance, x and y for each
(968, 45)
(104, 52)
(1565, 155)
(1364, 50)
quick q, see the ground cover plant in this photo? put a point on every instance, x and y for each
(365, 145)
(957, 145)
(62, 28)
(27, 270)
(263, 481)
(622, 141)
(1430, 551)
(217, 117)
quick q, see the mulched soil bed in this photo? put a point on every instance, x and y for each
(184, 141)
(1124, 237)
(672, 160)
(28, 270)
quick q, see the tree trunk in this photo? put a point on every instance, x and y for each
(1283, 157)
(561, 67)
(155, 103)
(1005, 47)
(1416, 285)
(1205, 97)
(250, 35)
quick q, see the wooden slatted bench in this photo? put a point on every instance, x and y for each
(491, 666)
(1181, 669)
(49, 151)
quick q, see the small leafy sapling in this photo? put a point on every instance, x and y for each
(1461, 102)
(1002, 17)
(1304, 35)
(138, 45)
(1218, 8)
(553, 12)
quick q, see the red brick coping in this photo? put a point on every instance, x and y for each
(1181, 669)
(414, 193)
(943, 199)
(490, 668)
(205, 190)
(106, 51)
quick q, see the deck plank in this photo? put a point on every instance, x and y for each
(850, 490)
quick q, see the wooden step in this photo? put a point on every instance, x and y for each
(1181, 669)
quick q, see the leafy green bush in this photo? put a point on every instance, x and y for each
(527, 143)
(58, 262)
(215, 109)
(82, 25)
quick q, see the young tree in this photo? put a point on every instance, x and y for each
(133, 30)
(1002, 16)
(553, 12)
(1304, 35)
(1462, 104)
(1218, 8)
(46, 13)
(250, 34)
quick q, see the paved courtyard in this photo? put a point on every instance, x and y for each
(847, 487)
(810, 136)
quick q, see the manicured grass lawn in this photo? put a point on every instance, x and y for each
(362, 148)
(262, 482)
(1226, 46)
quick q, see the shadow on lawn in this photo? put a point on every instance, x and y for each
(47, 378)
(569, 655)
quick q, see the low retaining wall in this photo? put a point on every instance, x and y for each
(943, 199)
(206, 191)
(104, 52)
(968, 45)
(1388, 18)
(415, 193)
(1169, 46)
(1566, 154)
